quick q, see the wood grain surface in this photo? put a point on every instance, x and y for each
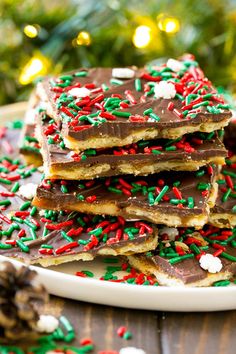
(154, 332)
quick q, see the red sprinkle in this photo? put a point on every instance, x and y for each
(91, 198)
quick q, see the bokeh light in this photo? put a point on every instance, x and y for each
(83, 38)
(30, 31)
(38, 65)
(142, 36)
(168, 24)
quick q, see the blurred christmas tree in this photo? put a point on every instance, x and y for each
(40, 37)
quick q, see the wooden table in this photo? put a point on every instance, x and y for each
(154, 332)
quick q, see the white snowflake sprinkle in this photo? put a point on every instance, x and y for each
(28, 190)
(131, 350)
(123, 73)
(79, 92)
(210, 263)
(175, 65)
(47, 324)
(164, 89)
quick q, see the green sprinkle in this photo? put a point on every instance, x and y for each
(226, 195)
(33, 211)
(151, 198)
(181, 258)
(221, 283)
(4, 181)
(234, 209)
(200, 173)
(161, 194)
(115, 190)
(5, 202)
(176, 184)
(194, 248)
(156, 152)
(203, 186)
(67, 238)
(228, 256)
(116, 82)
(154, 116)
(64, 189)
(177, 201)
(171, 148)
(25, 206)
(80, 197)
(190, 202)
(88, 273)
(110, 260)
(121, 114)
(30, 224)
(96, 232)
(81, 74)
(138, 85)
(5, 246)
(127, 335)
(47, 246)
(22, 246)
(148, 111)
(229, 173)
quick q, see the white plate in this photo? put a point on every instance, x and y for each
(61, 281)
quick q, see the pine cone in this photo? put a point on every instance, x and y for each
(19, 296)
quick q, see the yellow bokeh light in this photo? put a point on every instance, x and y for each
(142, 36)
(31, 31)
(37, 66)
(83, 38)
(169, 24)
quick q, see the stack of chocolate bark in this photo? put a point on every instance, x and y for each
(138, 152)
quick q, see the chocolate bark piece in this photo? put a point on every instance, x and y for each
(48, 237)
(224, 212)
(131, 111)
(83, 237)
(173, 198)
(144, 157)
(175, 262)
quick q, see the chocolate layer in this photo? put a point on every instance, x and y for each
(185, 153)
(130, 106)
(184, 194)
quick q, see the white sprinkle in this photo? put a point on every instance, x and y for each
(172, 232)
(131, 350)
(175, 65)
(164, 89)
(79, 92)
(211, 263)
(42, 212)
(123, 73)
(30, 116)
(47, 323)
(28, 190)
